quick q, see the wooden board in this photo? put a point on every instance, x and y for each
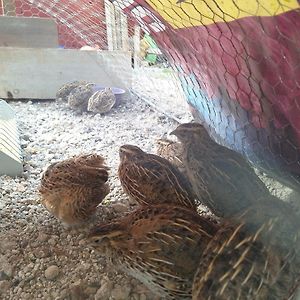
(28, 32)
(33, 73)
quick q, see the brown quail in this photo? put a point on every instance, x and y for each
(227, 180)
(101, 101)
(158, 245)
(79, 97)
(151, 179)
(66, 89)
(72, 189)
(172, 151)
(239, 265)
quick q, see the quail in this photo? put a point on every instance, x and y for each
(225, 177)
(101, 101)
(151, 179)
(159, 245)
(72, 189)
(79, 97)
(66, 89)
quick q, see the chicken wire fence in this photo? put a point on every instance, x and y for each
(238, 63)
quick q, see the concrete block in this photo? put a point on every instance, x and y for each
(32, 73)
(28, 32)
(10, 150)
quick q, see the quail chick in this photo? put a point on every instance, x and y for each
(172, 151)
(239, 265)
(66, 89)
(228, 181)
(72, 189)
(101, 101)
(79, 97)
(151, 179)
(158, 245)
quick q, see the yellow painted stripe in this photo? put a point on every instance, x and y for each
(203, 12)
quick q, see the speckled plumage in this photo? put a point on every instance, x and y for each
(101, 101)
(237, 264)
(158, 245)
(223, 177)
(72, 189)
(150, 179)
(79, 97)
(172, 151)
(66, 89)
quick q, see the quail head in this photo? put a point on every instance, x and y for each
(227, 179)
(237, 264)
(172, 151)
(79, 97)
(158, 245)
(101, 101)
(72, 189)
(151, 179)
(66, 89)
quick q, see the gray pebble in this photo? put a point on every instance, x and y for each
(51, 272)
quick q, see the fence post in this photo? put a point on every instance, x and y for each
(137, 48)
(9, 7)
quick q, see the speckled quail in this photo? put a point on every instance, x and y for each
(172, 151)
(66, 89)
(101, 101)
(227, 181)
(151, 179)
(158, 245)
(238, 264)
(72, 189)
(79, 97)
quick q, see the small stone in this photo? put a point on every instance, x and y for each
(51, 272)
(3, 276)
(4, 286)
(42, 237)
(120, 208)
(120, 292)
(76, 291)
(6, 269)
(135, 297)
(104, 291)
(26, 137)
(143, 297)
(91, 290)
(21, 188)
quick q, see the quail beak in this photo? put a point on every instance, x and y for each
(174, 132)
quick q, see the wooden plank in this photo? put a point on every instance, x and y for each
(28, 32)
(38, 73)
(110, 24)
(124, 32)
(137, 46)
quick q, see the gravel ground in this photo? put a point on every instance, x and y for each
(39, 258)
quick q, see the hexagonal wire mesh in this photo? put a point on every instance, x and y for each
(238, 64)
(79, 22)
(239, 67)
